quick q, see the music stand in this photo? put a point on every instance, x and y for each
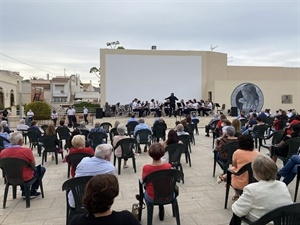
(217, 106)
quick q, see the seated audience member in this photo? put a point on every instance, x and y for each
(5, 135)
(180, 130)
(250, 129)
(99, 129)
(82, 126)
(243, 155)
(98, 199)
(277, 123)
(251, 122)
(98, 164)
(263, 196)
(132, 118)
(35, 128)
(116, 124)
(283, 115)
(295, 121)
(121, 129)
(228, 136)
(156, 151)
(209, 125)
(22, 125)
(219, 125)
(5, 127)
(225, 123)
(142, 126)
(50, 131)
(293, 116)
(159, 122)
(172, 139)
(277, 151)
(17, 151)
(237, 126)
(78, 146)
(289, 171)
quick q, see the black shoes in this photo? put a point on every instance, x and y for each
(207, 135)
(145, 149)
(33, 194)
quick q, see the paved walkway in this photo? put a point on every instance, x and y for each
(201, 199)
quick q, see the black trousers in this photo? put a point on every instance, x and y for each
(172, 110)
(235, 220)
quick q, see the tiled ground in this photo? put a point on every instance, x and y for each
(201, 199)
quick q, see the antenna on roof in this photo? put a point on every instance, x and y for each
(213, 47)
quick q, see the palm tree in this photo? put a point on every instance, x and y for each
(34, 78)
(96, 71)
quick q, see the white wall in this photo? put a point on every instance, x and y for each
(145, 77)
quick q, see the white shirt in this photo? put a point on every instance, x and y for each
(71, 112)
(134, 105)
(85, 111)
(22, 127)
(30, 113)
(54, 116)
(260, 198)
(153, 105)
(91, 167)
(195, 105)
(209, 105)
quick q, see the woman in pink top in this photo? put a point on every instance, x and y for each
(243, 155)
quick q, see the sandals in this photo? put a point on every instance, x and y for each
(221, 179)
(234, 198)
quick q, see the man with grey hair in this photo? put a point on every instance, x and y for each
(98, 164)
(22, 125)
(142, 126)
(180, 130)
(17, 151)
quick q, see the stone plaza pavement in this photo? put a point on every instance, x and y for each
(201, 199)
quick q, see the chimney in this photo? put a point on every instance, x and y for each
(153, 47)
(47, 76)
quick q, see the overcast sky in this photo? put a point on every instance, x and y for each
(54, 35)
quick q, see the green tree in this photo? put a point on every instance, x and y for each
(41, 110)
(96, 71)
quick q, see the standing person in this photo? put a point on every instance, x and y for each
(54, 117)
(85, 114)
(17, 151)
(172, 98)
(71, 116)
(30, 114)
(5, 115)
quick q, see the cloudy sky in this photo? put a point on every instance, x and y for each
(64, 36)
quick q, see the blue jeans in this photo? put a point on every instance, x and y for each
(289, 171)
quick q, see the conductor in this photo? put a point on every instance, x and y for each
(172, 98)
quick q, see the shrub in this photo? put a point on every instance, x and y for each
(41, 110)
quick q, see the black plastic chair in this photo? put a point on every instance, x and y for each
(284, 215)
(243, 122)
(196, 121)
(164, 186)
(85, 132)
(13, 170)
(143, 137)
(245, 168)
(24, 133)
(230, 148)
(49, 145)
(34, 140)
(191, 128)
(97, 138)
(77, 186)
(297, 183)
(130, 127)
(106, 126)
(44, 127)
(175, 151)
(293, 149)
(159, 131)
(184, 138)
(113, 132)
(259, 132)
(276, 138)
(74, 159)
(127, 145)
(63, 134)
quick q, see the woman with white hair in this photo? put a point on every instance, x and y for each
(22, 125)
(78, 143)
(121, 129)
(5, 127)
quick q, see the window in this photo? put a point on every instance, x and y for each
(59, 88)
(59, 99)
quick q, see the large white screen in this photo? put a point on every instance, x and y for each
(151, 76)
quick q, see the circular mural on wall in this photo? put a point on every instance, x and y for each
(247, 96)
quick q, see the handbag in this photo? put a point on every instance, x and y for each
(135, 209)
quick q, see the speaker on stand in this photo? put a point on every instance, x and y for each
(233, 111)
